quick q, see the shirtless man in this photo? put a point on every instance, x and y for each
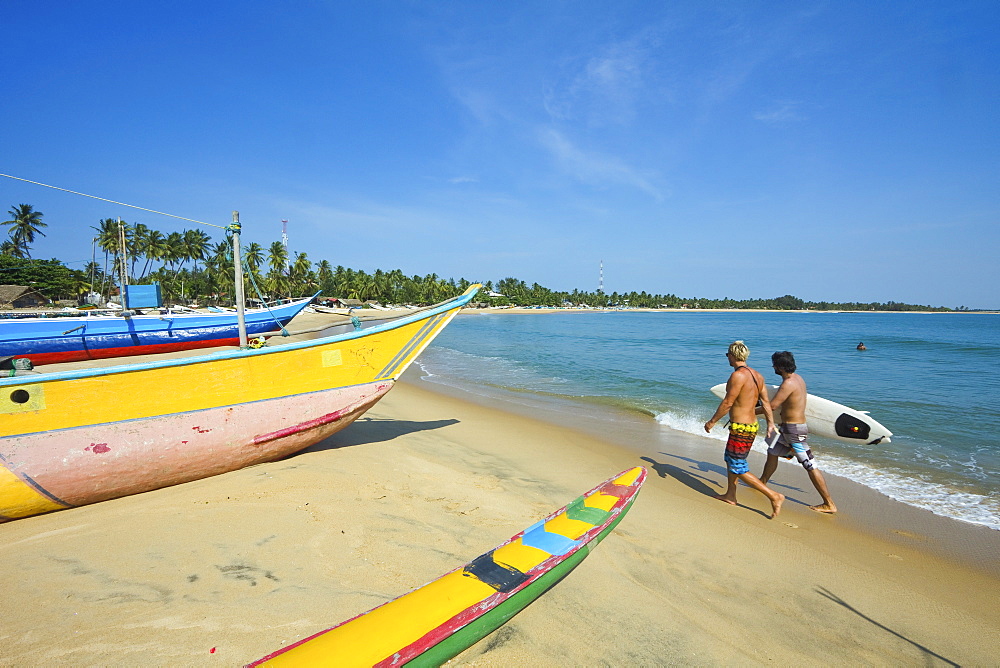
(791, 399)
(744, 388)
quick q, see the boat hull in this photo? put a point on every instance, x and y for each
(74, 339)
(436, 622)
(96, 463)
(177, 420)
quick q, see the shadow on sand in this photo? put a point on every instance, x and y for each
(700, 483)
(366, 430)
(826, 593)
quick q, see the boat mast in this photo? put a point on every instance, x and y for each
(123, 267)
(238, 263)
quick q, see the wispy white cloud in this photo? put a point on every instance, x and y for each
(463, 179)
(593, 168)
(607, 85)
(781, 112)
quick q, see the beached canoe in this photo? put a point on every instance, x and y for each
(77, 437)
(52, 340)
(436, 622)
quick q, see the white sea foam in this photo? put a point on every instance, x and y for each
(694, 423)
(935, 497)
(948, 473)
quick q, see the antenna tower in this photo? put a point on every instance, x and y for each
(600, 285)
(284, 242)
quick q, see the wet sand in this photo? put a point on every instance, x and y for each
(225, 570)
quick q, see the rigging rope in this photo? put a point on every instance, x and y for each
(249, 274)
(103, 199)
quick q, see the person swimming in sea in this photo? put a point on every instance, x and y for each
(861, 346)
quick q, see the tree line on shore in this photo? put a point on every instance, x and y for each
(190, 267)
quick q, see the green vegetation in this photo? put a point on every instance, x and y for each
(190, 267)
(51, 278)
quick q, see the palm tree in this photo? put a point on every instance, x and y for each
(79, 283)
(24, 226)
(155, 248)
(277, 257)
(174, 253)
(324, 273)
(219, 266)
(195, 245)
(8, 247)
(137, 244)
(302, 276)
(107, 240)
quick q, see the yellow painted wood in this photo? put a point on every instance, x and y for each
(629, 476)
(190, 386)
(600, 500)
(520, 556)
(19, 499)
(564, 526)
(22, 399)
(385, 630)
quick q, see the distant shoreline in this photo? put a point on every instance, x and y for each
(493, 309)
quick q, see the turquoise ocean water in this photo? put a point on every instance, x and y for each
(932, 379)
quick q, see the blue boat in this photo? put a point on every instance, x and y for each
(97, 336)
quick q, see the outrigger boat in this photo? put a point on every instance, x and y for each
(95, 335)
(436, 622)
(171, 421)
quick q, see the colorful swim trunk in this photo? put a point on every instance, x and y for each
(792, 443)
(741, 437)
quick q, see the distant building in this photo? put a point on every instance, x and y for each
(337, 302)
(21, 296)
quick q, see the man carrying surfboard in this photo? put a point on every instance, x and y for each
(743, 390)
(791, 441)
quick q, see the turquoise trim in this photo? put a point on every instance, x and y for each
(455, 303)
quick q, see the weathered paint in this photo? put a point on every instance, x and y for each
(177, 420)
(94, 463)
(430, 625)
(72, 339)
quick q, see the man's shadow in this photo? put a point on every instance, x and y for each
(699, 482)
(367, 430)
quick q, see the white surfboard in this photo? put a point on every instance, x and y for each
(832, 420)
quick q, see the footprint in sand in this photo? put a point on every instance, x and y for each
(894, 556)
(790, 525)
(909, 534)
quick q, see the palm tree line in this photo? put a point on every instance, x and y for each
(189, 266)
(172, 260)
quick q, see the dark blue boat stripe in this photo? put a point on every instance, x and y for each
(44, 492)
(401, 355)
(502, 578)
(34, 485)
(414, 341)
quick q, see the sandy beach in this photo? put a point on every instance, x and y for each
(225, 570)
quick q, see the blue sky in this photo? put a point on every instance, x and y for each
(830, 150)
